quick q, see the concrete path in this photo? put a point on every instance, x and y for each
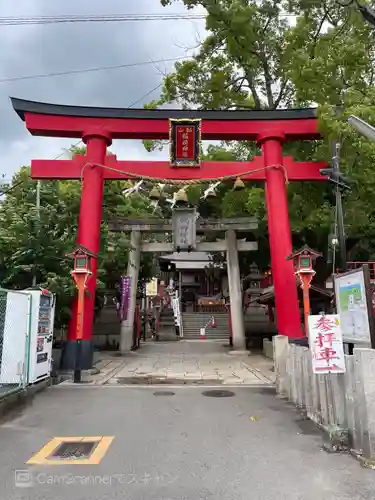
(184, 362)
(181, 446)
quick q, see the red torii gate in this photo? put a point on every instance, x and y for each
(97, 127)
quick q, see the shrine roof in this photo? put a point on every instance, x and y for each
(269, 296)
(22, 106)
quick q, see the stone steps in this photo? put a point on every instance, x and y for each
(193, 322)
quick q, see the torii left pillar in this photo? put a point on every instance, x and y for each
(90, 219)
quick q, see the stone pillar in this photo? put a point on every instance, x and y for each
(234, 282)
(286, 295)
(365, 396)
(280, 354)
(127, 326)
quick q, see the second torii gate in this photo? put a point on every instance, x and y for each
(230, 246)
(97, 127)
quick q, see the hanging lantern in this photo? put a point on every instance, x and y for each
(181, 197)
(239, 184)
(155, 193)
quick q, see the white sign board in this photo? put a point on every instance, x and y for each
(174, 306)
(176, 310)
(351, 305)
(152, 288)
(325, 340)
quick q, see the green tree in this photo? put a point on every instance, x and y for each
(241, 62)
(270, 54)
(332, 65)
(35, 243)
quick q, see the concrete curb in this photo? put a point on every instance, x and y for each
(19, 397)
(335, 438)
(263, 387)
(63, 376)
(365, 462)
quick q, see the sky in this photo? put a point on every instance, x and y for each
(41, 49)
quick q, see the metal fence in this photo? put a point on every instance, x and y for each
(15, 317)
(341, 403)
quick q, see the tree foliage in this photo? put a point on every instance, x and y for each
(276, 54)
(35, 242)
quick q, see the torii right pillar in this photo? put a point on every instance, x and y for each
(284, 281)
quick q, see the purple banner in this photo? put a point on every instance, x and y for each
(125, 297)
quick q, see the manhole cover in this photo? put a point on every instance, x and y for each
(218, 394)
(74, 450)
(164, 393)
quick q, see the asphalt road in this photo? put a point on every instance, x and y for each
(179, 447)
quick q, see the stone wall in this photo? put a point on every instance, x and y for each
(106, 330)
(268, 348)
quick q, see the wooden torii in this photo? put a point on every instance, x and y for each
(97, 127)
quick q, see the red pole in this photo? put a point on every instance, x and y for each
(80, 280)
(80, 310)
(286, 296)
(89, 222)
(306, 308)
(305, 279)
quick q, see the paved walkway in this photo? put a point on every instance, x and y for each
(181, 446)
(184, 362)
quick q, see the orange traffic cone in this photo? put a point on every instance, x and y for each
(203, 334)
(213, 323)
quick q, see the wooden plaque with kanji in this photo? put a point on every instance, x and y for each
(185, 142)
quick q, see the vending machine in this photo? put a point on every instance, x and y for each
(15, 309)
(41, 334)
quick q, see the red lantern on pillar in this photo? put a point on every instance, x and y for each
(82, 268)
(303, 268)
(81, 273)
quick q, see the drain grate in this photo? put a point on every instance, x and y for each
(74, 450)
(164, 393)
(218, 394)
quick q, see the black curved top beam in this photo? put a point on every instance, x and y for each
(22, 106)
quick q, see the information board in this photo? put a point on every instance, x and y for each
(352, 307)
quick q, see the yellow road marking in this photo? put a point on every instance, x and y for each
(103, 443)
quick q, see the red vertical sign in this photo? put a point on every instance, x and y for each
(185, 143)
(185, 140)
